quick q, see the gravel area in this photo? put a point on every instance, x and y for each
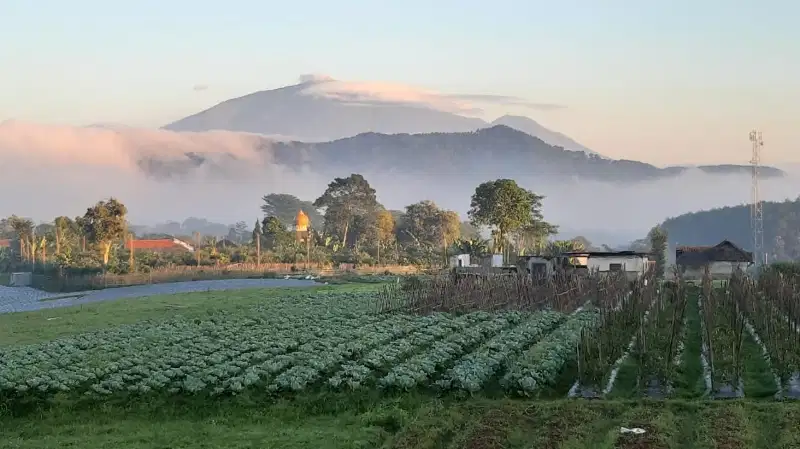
(24, 299)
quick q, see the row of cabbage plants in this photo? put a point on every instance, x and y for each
(474, 370)
(186, 355)
(541, 364)
(294, 352)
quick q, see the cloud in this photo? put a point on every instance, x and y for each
(64, 169)
(200, 87)
(507, 100)
(392, 94)
(314, 78)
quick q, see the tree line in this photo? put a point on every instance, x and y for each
(347, 225)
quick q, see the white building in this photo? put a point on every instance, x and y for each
(722, 260)
(633, 263)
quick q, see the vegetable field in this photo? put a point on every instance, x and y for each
(504, 363)
(612, 339)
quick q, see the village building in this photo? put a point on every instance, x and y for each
(633, 263)
(721, 260)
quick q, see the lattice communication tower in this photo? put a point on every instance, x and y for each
(756, 206)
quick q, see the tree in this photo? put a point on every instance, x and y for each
(384, 225)
(475, 247)
(66, 231)
(468, 231)
(423, 224)
(506, 207)
(6, 230)
(558, 247)
(237, 232)
(285, 207)
(23, 228)
(532, 237)
(658, 248)
(345, 199)
(103, 224)
(275, 233)
(430, 228)
(257, 232)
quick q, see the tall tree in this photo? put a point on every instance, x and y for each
(506, 207)
(257, 232)
(66, 231)
(275, 233)
(23, 228)
(103, 224)
(427, 225)
(6, 230)
(285, 207)
(344, 200)
(658, 248)
(384, 225)
(238, 232)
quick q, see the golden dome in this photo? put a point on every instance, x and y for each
(301, 221)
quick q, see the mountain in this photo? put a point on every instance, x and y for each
(292, 111)
(709, 227)
(530, 126)
(326, 109)
(498, 151)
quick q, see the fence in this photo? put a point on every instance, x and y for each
(66, 283)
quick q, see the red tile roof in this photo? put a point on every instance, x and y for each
(5, 243)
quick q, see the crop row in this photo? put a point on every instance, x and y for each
(299, 350)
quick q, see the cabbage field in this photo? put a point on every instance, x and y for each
(315, 342)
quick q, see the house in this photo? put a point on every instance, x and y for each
(722, 260)
(460, 260)
(160, 245)
(5, 243)
(633, 263)
(537, 266)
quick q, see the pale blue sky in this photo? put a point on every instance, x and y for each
(669, 81)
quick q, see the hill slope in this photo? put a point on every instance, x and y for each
(781, 228)
(498, 151)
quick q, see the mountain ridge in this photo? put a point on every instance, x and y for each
(497, 151)
(291, 111)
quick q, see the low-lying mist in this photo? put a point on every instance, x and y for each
(60, 170)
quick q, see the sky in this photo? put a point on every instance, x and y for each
(665, 82)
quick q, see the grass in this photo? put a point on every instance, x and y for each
(370, 419)
(411, 422)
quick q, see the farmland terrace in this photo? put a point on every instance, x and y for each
(428, 364)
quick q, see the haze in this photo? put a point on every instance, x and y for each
(61, 170)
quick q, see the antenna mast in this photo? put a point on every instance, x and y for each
(756, 207)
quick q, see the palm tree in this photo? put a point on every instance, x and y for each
(557, 247)
(24, 230)
(476, 247)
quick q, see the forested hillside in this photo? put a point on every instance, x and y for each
(781, 228)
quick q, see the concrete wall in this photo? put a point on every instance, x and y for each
(718, 270)
(631, 264)
(548, 266)
(463, 258)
